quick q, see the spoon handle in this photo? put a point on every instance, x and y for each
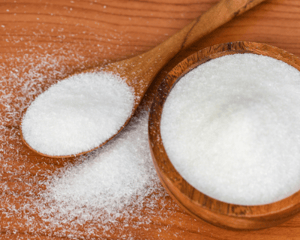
(151, 62)
(215, 17)
(221, 13)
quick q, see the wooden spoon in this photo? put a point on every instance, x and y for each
(140, 71)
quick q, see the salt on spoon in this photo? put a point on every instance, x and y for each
(137, 72)
(79, 115)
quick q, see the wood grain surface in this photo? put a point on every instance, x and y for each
(74, 35)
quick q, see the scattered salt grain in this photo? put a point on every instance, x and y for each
(231, 127)
(77, 114)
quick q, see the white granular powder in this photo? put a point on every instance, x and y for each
(77, 114)
(231, 128)
(111, 183)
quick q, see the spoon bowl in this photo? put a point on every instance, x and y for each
(138, 72)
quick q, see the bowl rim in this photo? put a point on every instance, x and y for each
(171, 179)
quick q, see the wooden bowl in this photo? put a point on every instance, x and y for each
(193, 201)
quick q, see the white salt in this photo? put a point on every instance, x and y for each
(77, 114)
(111, 183)
(231, 128)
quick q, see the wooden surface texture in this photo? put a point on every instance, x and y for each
(51, 39)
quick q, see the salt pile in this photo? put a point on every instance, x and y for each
(77, 114)
(231, 128)
(102, 185)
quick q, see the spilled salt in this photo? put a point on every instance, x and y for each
(111, 183)
(231, 128)
(77, 114)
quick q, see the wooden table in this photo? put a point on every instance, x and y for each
(70, 35)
